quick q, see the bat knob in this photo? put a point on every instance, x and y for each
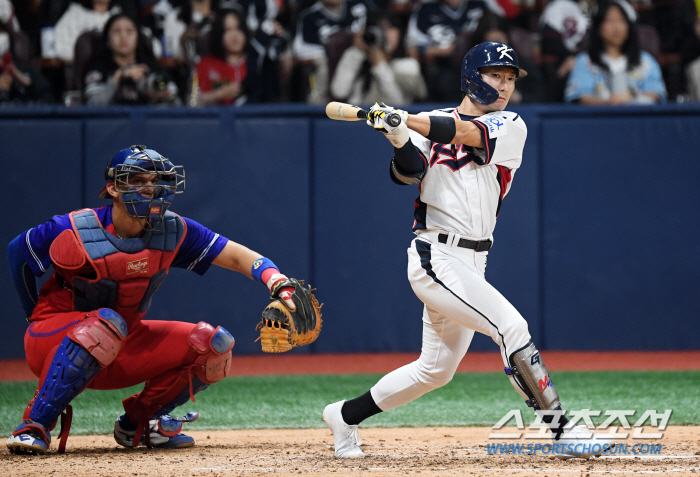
(393, 120)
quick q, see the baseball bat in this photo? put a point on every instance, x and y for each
(345, 112)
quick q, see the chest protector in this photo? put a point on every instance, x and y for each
(104, 271)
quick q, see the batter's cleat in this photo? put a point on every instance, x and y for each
(164, 432)
(29, 438)
(345, 436)
(579, 442)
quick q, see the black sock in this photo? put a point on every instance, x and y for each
(357, 410)
(557, 428)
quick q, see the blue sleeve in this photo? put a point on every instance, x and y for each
(581, 81)
(22, 275)
(200, 247)
(653, 82)
(36, 242)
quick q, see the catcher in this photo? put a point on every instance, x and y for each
(86, 326)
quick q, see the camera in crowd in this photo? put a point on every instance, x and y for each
(153, 83)
(374, 37)
(132, 92)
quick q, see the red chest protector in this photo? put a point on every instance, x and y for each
(104, 271)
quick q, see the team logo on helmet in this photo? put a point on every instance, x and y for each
(503, 50)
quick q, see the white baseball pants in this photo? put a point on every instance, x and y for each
(458, 301)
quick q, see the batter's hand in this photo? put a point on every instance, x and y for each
(378, 110)
(391, 122)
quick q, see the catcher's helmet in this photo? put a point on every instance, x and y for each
(491, 53)
(139, 160)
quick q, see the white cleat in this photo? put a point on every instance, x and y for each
(580, 442)
(344, 435)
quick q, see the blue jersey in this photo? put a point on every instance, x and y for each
(200, 247)
(316, 24)
(434, 23)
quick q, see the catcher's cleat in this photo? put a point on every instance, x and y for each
(579, 442)
(164, 432)
(29, 438)
(345, 436)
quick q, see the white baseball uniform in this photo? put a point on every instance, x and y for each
(460, 196)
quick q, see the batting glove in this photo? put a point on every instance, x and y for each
(391, 122)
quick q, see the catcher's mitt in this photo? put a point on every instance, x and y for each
(282, 329)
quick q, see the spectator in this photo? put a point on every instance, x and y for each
(261, 14)
(315, 26)
(80, 17)
(615, 70)
(186, 26)
(563, 27)
(691, 63)
(373, 69)
(127, 72)
(19, 82)
(237, 70)
(436, 38)
(7, 15)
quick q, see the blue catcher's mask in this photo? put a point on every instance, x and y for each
(146, 182)
(491, 53)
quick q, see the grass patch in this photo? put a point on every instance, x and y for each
(471, 399)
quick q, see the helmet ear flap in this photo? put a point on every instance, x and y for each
(477, 89)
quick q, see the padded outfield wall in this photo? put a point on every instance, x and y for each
(597, 243)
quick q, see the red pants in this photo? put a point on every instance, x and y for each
(156, 352)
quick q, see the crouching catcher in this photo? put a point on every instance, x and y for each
(86, 326)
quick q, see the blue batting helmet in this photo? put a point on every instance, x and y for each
(152, 206)
(491, 53)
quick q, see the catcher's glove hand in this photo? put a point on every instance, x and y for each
(282, 329)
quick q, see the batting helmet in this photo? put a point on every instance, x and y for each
(491, 53)
(139, 160)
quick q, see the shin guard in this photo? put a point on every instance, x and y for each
(90, 345)
(528, 370)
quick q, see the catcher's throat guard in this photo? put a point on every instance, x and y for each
(282, 329)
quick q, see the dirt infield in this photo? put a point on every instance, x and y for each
(475, 362)
(433, 451)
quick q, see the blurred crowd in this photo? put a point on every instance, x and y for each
(231, 52)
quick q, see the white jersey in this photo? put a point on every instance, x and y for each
(463, 186)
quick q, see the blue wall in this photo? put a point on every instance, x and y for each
(596, 244)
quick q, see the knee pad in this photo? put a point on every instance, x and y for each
(529, 371)
(101, 334)
(213, 345)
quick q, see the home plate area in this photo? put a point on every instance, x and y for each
(399, 451)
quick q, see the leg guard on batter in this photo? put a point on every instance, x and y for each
(533, 378)
(89, 346)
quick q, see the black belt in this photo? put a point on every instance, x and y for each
(480, 246)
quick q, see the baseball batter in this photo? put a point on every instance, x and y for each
(86, 327)
(463, 160)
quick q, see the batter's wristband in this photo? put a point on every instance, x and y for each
(259, 266)
(442, 129)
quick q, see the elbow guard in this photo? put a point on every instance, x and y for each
(403, 179)
(442, 129)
